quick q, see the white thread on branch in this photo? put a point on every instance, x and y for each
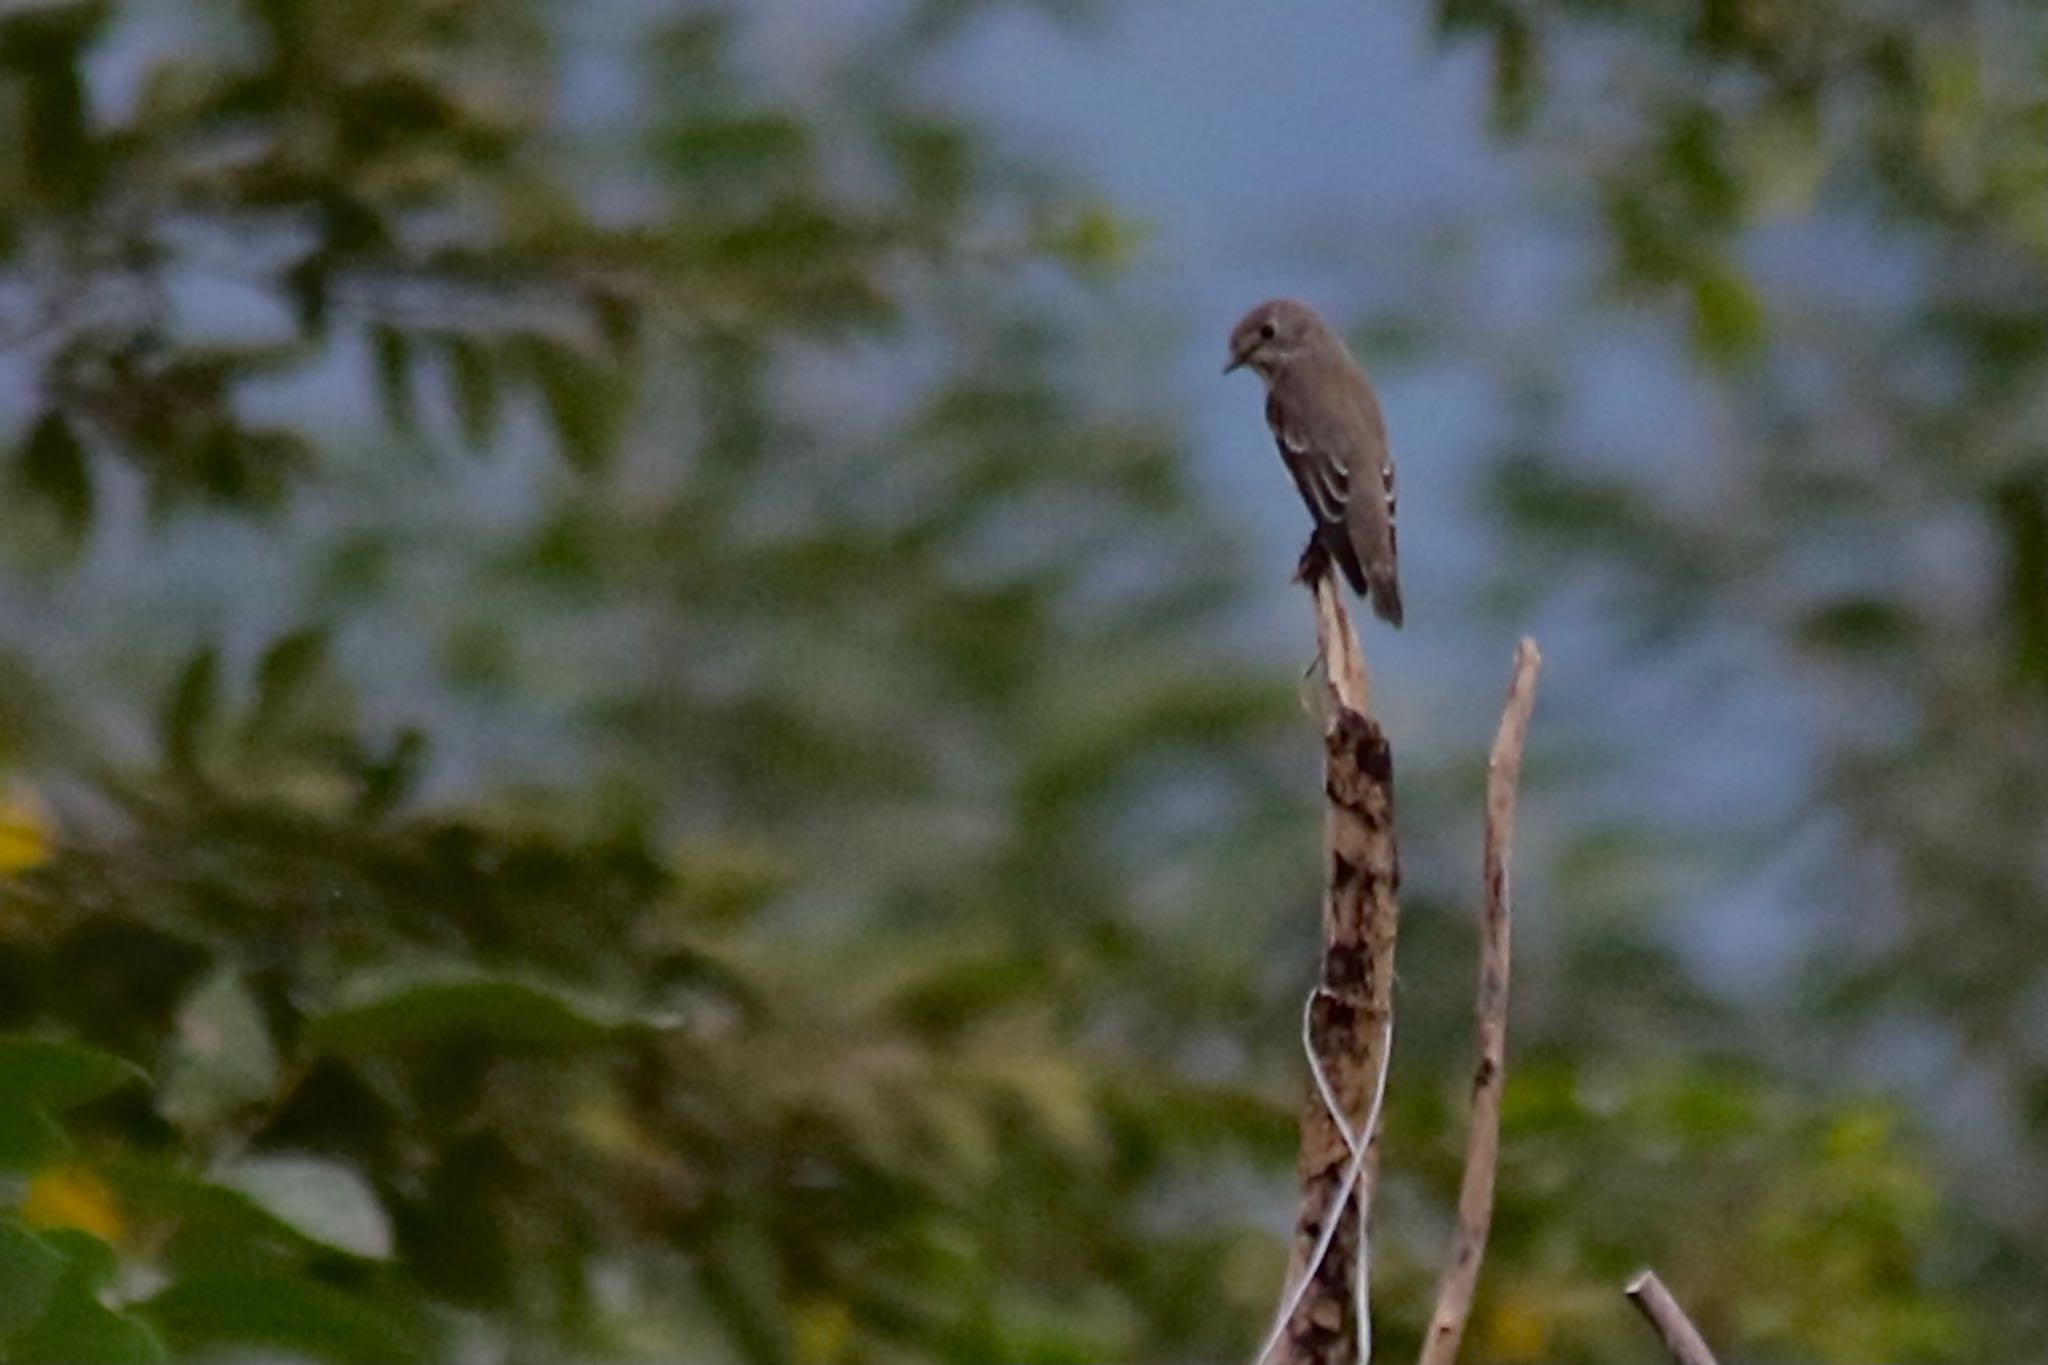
(1360, 1145)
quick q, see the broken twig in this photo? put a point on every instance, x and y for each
(1482, 1140)
(1681, 1338)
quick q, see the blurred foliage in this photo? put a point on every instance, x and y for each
(607, 856)
(626, 743)
(1848, 203)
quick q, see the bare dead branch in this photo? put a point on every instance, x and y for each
(1482, 1139)
(1343, 662)
(1352, 1009)
(1668, 1320)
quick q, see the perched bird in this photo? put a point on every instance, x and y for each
(1327, 421)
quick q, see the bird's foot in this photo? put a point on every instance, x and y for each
(1315, 563)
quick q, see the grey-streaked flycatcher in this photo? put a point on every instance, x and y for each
(1327, 421)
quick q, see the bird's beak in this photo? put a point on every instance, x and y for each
(1237, 361)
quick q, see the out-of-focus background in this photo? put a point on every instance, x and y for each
(651, 709)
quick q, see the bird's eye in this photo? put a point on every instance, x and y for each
(1266, 332)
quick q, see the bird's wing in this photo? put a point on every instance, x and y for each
(1315, 457)
(1370, 517)
(1334, 441)
(1369, 520)
(1316, 462)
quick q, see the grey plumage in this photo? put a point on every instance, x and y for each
(1332, 438)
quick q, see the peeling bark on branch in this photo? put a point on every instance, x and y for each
(1349, 1016)
(1325, 1319)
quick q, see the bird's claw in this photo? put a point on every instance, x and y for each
(1315, 563)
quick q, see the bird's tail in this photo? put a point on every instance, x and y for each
(1379, 584)
(1386, 593)
(1346, 555)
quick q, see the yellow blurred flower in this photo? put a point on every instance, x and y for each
(24, 831)
(73, 1197)
(820, 1331)
(1518, 1328)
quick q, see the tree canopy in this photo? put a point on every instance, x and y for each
(628, 737)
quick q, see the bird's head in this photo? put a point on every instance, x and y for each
(1265, 337)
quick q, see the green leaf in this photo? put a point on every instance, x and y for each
(388, 778)
(1857, 626)
(29, 1138)
(92, 1262)
(392, 353)
(1728, 318)
(192, 706)
(324, 1201)
(213, 1314)
(383, 1011)
(585, 401)
(223, 1061)
(740, 149)
(29, 1274)
(1782, 156)
(77, 1326)
(255, 465)
(742, 1279)
(40, 1076)
(473, 386)
(1056, 1332)
(56, 132)
(32, 34)
(53, 466)
(935, 159)
(619, 319)
(308, 285)
(1693, 148)
(214, 1226)
(287, 667)
(1094, 240)
(58, 1075)
(1517, 70)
